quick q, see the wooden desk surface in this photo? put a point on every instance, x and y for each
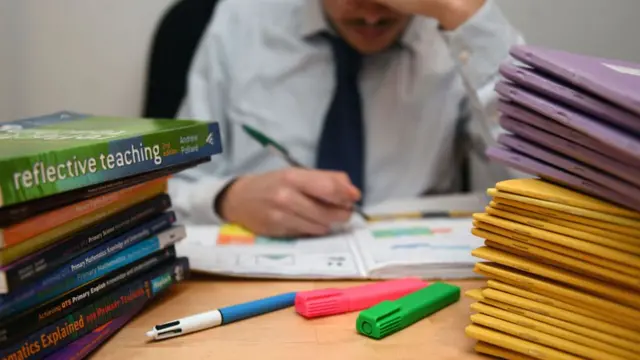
(284, 334)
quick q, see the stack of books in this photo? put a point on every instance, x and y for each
(87, 233)
(562, 249)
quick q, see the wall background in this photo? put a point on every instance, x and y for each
(90, 56)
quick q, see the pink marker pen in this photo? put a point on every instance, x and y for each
(324, 302)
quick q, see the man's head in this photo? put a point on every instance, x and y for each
(367, 26)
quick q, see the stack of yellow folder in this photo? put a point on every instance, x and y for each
(563, 273)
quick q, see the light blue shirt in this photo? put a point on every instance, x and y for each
(259, 64)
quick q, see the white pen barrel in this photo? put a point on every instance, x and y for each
(200, 321)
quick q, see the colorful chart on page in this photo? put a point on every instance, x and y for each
(404, 231)
(230, 234)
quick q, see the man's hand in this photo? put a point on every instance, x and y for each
(449, 13)
(290, 202)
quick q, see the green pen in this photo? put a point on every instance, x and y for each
(280, 150)
(388, 317)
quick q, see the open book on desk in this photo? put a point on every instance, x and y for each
(438, 248)
(425, 248)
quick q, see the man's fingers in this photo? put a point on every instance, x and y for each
(329, 186)
(310, 209)
(284, 224)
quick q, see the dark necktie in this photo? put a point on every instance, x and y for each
(341, 146)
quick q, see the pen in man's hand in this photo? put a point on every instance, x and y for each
(280, 150)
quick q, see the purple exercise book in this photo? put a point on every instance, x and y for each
(532, 150)
(572, 150)
(551, 126)
(535, 167)
(558, 90)
(623, 141)
(615, 80)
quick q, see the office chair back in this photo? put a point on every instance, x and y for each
(174, 44)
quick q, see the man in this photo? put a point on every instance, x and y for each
(365, 91)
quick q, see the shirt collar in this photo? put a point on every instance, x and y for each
(313, 22)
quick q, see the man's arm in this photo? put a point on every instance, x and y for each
(478, 46)
(193, 191)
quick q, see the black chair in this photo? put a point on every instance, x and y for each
(175, 41)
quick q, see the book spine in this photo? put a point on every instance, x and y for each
(130, 297)
(84, 346)
(10, 304)
(32, 177)
(36, 265)
(81, 262)
(10, 255)
(35, 225)
(33, 319)
(14, 214)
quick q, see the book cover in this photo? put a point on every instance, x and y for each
(14, 303)
(499, 195)
(580, 166)
(539, 337)
(619, 312)
(566, 320)
(603, 289)
(544, 328)
(566, 217)
(37, 264)
(574, 318)
(481, 229)
(605, 240)
(32, 319)
(14, 234)
(498, 352)
(552, 173)
(544, 190)
(588, 228)
(65, 151)
(563, 240)
(607, 163)
(16, 213)
(16, 252)
(507, 341)
(621, 140)
(90, 257)
(557, 259)
(85, 345)
(539, 298)
(129, 297)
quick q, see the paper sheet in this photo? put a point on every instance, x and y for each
(230, 250)
(434, 248)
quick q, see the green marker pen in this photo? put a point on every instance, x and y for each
(389, 317)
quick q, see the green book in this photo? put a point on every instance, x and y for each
(60, 152)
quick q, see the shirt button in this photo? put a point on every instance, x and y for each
(464, 56)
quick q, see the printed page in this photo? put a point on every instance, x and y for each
(231, 250)
(429, 248)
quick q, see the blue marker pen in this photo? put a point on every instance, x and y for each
(221, 316)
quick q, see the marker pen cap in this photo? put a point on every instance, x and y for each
(324, 302)
(389, 317)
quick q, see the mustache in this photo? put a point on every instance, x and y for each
(382, 22)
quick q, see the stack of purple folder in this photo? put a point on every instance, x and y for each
(573, 120)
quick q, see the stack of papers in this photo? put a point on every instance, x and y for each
(562, 252)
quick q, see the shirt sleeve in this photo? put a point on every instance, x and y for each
(478, 48)
(193, 192)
